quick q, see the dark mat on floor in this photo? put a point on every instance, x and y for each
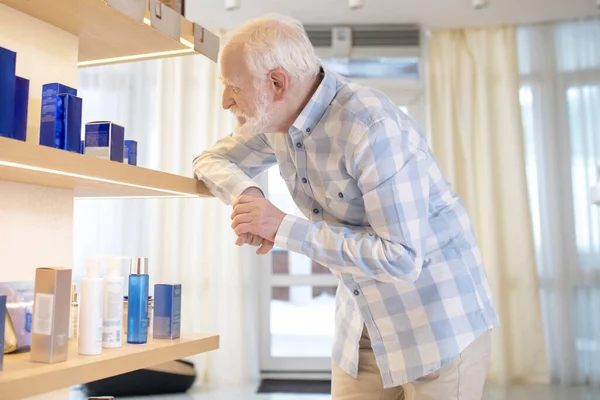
(294, 386)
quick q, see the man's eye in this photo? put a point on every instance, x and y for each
(235, 89)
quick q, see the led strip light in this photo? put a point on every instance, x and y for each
(190, 50)
(93, 178)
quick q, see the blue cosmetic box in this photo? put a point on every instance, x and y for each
(8, 64)
(60, 125)
(167, 311)
(21, 108)
(130, 152)
(104, 139)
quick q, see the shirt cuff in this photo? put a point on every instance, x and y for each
(238, 184)
(292, 233)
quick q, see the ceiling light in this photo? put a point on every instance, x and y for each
(232, 4)
(355, 4)
(479, 4)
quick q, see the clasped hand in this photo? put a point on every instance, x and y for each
(256, 221)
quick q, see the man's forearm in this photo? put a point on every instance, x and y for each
(228, 168)
(349, 250)
(224, 179)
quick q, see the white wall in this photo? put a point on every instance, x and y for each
(36, 223)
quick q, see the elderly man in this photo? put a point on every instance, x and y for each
(413, 308)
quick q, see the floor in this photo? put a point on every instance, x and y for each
(492, 393)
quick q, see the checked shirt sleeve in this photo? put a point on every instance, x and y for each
(392, 173)
(228, 168)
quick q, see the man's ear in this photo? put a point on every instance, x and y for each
(279, 81)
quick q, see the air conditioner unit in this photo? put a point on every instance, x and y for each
(386, 57)
(365, 41)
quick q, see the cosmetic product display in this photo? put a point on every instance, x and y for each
(21, 108)
(60, 125)
(91, 304)
(68, 320)
(8, 63)
(137, 306)
(130, 152)
(167, 311)
(104, 139)
(19, 312)
(112, 325)
(2, 326)
(74, 320)
(51, 311)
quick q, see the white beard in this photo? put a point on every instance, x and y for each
(264, 115)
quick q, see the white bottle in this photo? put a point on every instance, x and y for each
(91, 303)
(113, 305)
(74, 318)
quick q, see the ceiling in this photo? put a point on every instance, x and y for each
(428, 13)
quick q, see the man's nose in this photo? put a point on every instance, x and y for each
(227, 101)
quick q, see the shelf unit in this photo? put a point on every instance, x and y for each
(38, 184)
(89, 177)
(106, 35)
(22, 378)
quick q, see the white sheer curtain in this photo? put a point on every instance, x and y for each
(172, 107)
(560, 99)
(476, 134)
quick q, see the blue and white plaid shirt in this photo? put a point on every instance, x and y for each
(381, 216)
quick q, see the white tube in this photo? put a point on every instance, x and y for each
(112, 325)
(90, 310)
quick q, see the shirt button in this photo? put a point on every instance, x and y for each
(299, 145)
(304, 180)
(341, 195)
(307, 129)
(356, 292)
(316, 211)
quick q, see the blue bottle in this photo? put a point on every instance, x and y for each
(137, 305)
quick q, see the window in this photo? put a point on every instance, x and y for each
(560, 103)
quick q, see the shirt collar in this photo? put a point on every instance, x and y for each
(318, 103)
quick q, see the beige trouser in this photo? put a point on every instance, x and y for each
(461, 379)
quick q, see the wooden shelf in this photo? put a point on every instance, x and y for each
(22, 378)
(89, 177)
(106, 35)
